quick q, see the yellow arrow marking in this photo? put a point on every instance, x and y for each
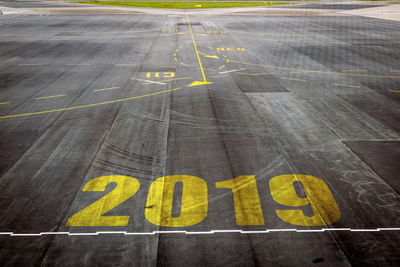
(196, 83)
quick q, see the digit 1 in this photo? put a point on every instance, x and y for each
(246, 199)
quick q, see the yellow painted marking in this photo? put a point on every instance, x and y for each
(105, 89)
(174, 54)
(218, 76)
(208, 55)
(175, 59)
(194, 204)
(254, 74)
(46, 97)
(318, 197)
(93, 215)
(202, 34)
(293, 79)
(346, 85)
(186, 65)
(167, 66)
(29, 64)
(77, 64)
(89, 105)
(196, 83)
(4, 103)
(393, 91)
(354, 70)
(125, 65)
(221, 67)
(246, 199)
(180, 33)
(312, 71)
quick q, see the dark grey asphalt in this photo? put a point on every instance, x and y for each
(307, 95)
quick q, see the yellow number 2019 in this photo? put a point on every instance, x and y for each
(194, 201)
(319, 197)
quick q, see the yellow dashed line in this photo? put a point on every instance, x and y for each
(202, 34)
(293, 79)
(354, 70)
(346, 85)
(394, 91)
(316, 71)
(77, 64)
(105, 89)
(4, 103)
(125, 65)
(175, 59)
(221, 67)
(186, 65)
(46, 97)
(89, 105)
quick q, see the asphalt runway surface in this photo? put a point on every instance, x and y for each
(196, 140)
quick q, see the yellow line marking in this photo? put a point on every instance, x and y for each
(204, 54)
(202, 34)
(105, 89)
(77, 64)
(125, 65)
(186, 65)
(198, 56)
(167, 66)
(353, 70)
(89, 105)
(316, 71)
(254, 74)
(346, 85)
(221, 67)
(393, 91)
(46, 97)
(293, 79)
(175, 59)
(217, 76)
(29, 64)
(4, 103)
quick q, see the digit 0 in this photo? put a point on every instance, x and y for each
(194, 205)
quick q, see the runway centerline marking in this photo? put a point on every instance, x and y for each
(106, 89)
(47, 97)
(198, 58)
(148, 81)
(89, 105)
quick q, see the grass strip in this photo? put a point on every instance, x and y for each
(181, 5)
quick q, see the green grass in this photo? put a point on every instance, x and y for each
(182, 5)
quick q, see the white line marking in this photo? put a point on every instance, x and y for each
(211, 232)
(148, 81)
(222, 72)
